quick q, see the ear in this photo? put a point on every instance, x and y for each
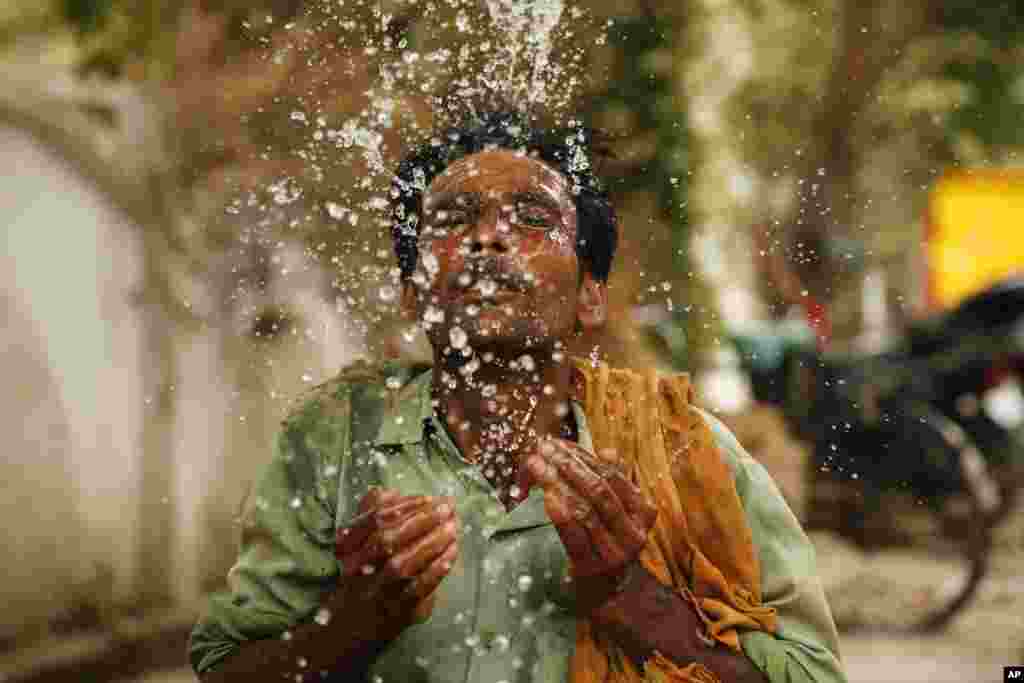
(407, 304)
(592, 303)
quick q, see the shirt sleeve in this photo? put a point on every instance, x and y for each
(805, 646)
(287, 556)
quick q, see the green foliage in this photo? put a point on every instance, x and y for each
(1001, 23)
(995, 110)
(641, 88)
(87, 16)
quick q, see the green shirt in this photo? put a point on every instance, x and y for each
(504, 612)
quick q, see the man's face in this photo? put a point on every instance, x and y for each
(497, 256)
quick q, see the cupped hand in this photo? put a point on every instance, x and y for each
(393, 556)
(602, 517)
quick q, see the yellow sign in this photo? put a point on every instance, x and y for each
(976, 233)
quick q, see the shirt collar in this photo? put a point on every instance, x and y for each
(408, 410)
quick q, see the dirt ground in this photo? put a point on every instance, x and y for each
(974, 648)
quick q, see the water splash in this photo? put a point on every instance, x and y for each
(528, 26)
(366, 81)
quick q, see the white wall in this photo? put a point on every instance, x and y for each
(73, 354)
(69, 266)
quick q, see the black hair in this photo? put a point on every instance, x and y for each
(568, 150)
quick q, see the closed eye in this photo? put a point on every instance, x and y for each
(531, 217)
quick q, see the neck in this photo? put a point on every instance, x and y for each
(497, 405)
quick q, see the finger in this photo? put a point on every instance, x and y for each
(595, 489)
(633, 499)
(396, 538)
(640, 511)
(354, 535)
(540, 470)
(428, 581)
(411, 561)
(377, 496)
(524, 476)
(613, 551)
(605, 550)
(567, 512)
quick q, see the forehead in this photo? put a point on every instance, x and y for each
(500, 171)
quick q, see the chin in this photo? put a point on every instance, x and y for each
(512, 333)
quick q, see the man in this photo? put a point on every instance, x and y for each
(457, 523)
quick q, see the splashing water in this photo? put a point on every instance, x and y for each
(365, 82)
(528, 24)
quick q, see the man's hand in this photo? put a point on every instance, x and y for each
(393, 556)
(602, 518)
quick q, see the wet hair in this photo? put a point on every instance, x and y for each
(567, 150)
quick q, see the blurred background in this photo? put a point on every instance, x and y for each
(821, 204)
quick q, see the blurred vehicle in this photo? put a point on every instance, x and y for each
(937, 417)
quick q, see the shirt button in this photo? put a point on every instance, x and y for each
(487, 637)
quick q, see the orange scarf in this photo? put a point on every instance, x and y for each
(700, 544)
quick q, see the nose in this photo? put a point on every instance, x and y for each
(491, 233)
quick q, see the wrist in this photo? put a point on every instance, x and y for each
(646, 615)
(602, 600)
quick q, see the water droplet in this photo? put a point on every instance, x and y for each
(433, 314)
(335, 211)
(527, 363)
(430, 264)
(388, 293)
(524, 582)
(323, 616)
(488, 288)
(458, 337)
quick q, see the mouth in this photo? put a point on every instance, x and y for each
(493, 297)
(491, 286)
